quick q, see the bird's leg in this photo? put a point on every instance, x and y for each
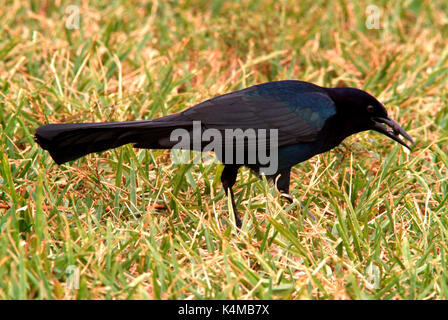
(228, 178)
(282, 184)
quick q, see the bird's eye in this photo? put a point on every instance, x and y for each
(370, 108)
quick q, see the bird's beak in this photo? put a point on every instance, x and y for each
(392, 130)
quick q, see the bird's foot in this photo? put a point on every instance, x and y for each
(287, 197)
(291, 199)
(307, 212)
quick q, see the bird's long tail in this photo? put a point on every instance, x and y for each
(70, 141)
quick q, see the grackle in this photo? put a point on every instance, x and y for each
(304, 119)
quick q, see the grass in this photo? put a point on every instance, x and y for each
(135, 226)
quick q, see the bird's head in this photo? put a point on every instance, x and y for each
(364, 112)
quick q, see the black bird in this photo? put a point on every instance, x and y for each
(308, 120)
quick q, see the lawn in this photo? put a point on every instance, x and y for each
(129, 224)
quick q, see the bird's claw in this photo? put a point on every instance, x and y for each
(287, 197)
(291, 199)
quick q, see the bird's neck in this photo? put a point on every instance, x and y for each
(332, 135)
(335, 131)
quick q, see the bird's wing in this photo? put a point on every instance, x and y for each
(298, 110)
